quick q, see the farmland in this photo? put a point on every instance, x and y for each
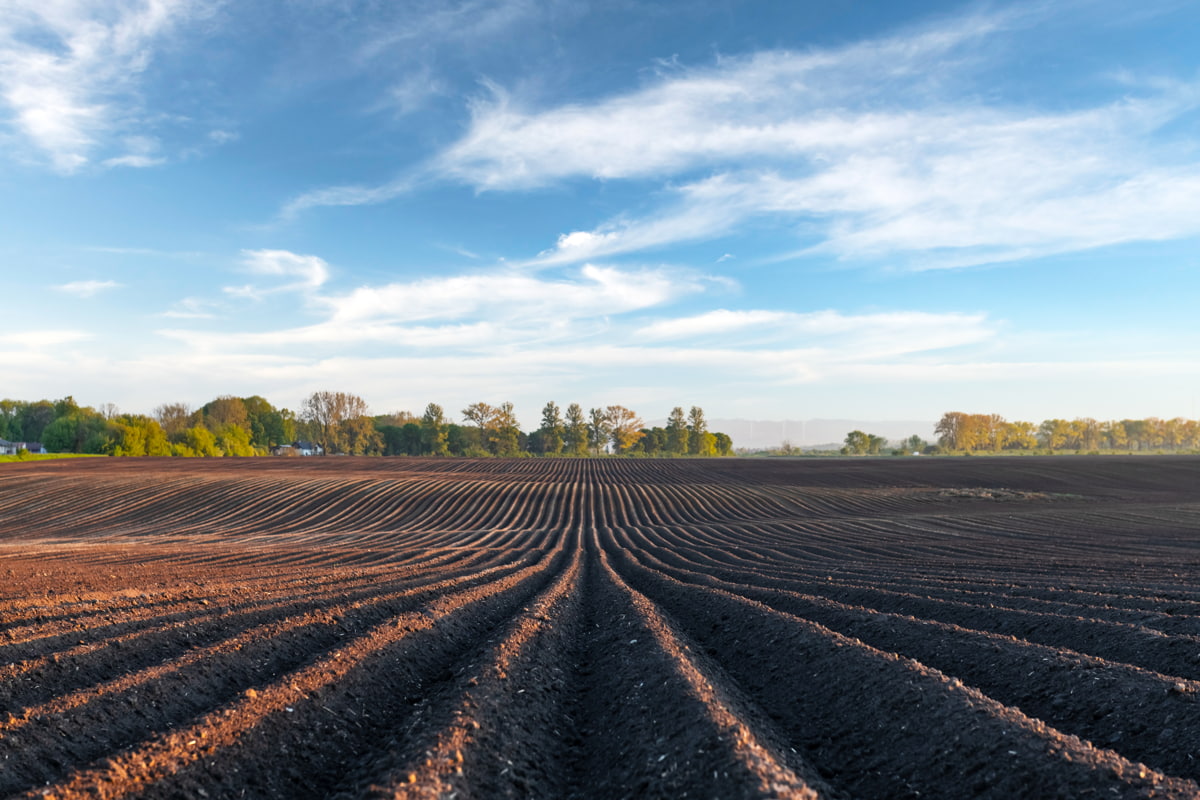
(341, 627)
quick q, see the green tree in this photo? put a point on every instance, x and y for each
(508, 431)
(234, 440)
(359, 437)
(677, 432)
(697, 427)
(856, 443)
(654, 441)
(575, 433)
(484, 418)
(859, 443)
(433, 430)
(72, 432)
(598, 430)
(136, 435)
(269, 427)
(410, 438)
(8, 418)
(200, 441)
(32, 420)
(551, 438)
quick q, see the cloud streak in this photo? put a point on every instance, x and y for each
(879, 150)
(86, 288)
(69, 73)
(309, 272)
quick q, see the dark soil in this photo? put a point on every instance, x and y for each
(869, 628)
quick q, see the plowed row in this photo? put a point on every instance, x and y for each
(311, 628)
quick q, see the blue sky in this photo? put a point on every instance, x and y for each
(872, 210)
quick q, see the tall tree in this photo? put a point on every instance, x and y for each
(32, 419)
(508, 431)
(326, 411)
(267, 425)
(484, 417)
(173, 418)
(624, 427)
(951, 430)
(598, 429)
(575, 431)
(433, 430)
(677, 432)
(551, 430)
(224, 411)
(697, 427)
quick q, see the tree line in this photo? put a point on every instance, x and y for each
(341, 423)
(962, 432)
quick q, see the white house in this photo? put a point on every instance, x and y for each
(8, 448)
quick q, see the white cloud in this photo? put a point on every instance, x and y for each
(770, 105)
(86, 288)
(42, 339)
(69, 71)
(512, 294)
(136, 161)
(346, 196)
(311, 272)
(720, 321)
(851, 336)
(484, 310)
(881, 149)
(190, 308)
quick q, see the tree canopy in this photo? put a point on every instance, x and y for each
(340, 423)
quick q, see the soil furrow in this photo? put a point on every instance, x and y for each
(400, 651)
(842, 700)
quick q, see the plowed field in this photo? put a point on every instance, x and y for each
(310, 628)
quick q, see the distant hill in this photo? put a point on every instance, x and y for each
(810, 433)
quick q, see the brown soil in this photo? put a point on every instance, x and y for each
(889, 628)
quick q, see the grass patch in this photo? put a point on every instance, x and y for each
(47, 456)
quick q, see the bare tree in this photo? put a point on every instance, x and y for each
(327, 411)
(173, 417)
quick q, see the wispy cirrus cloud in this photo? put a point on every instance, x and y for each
(878, 150)
(69, 72)
(86, 288)
(348, 195)
(867, 336)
